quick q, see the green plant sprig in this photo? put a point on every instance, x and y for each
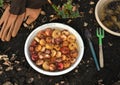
(66, 10)
(1, 3)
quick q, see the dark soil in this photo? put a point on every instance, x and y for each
(108, 18)
(18, 72)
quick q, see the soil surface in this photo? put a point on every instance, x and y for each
(15, 70)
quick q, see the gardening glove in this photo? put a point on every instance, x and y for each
(31, 15)
(14, 15)
(12, 19)
(11, 24)
(33, 10)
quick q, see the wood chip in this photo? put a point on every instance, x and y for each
(13, 57)
(7, 63)
(88, 61)
(51, 16)
(69, 21)
(7, 83)
(4, 57)
(17, 62)
(1, 57)
(19, 69)
(100, 81)
(9, 68)
(57, 84)
(43, 13)
(62, 82)
(1, 67)
(38, 76)
(92, 3)
(85, 24)
(91, 11)
(76, 70)
(1, 72)
(110, 44)
(30, 80)
(15, 84)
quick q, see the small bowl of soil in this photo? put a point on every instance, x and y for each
(107, 13)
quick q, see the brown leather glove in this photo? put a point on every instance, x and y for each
(10, 24)
(14, 15)
(33, 9)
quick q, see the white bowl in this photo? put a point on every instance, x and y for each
(98, 8)
(54, 25)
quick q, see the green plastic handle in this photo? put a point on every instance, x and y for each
(100, 41)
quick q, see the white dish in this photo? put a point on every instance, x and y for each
(60, 26)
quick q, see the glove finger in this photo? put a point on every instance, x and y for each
(5, 15)
(29, 20)
(3, 28)
(18, 23)
(9, 34)
(33, 15)
(4, 19)
(26, 16)
(1, 22)
(5, 31)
